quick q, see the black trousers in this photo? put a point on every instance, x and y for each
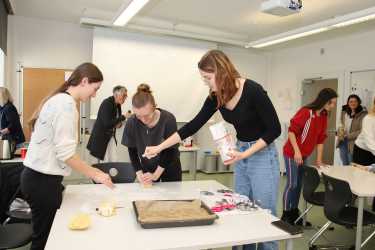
(44, 194)
(365, 158)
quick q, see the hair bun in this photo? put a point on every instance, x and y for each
(144, 88)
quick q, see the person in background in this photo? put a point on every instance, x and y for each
(10, 125)
(307, 131)
(102, 143)
(52, 151)
(351, 118)
(245, 104)
(150, 126)
(364, 146)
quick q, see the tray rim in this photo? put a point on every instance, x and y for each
(177, 223)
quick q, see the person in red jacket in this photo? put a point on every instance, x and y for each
(307, 130)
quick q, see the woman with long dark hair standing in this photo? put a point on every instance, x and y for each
(307, 130)
(52, 150)
(351, 118)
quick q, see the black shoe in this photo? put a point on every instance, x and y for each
(287, 217)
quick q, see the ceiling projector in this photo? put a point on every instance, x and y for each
(281, 7)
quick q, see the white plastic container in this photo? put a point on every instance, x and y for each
(223, 139)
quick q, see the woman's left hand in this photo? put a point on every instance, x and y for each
(235, 156)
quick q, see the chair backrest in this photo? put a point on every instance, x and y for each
(337, 196)
(120, 172)
(311, 181)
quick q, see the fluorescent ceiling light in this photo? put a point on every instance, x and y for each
(129, 11)
(288, 38)
(354, 21)
(337, 22)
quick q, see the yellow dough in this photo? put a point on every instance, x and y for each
(148, 185)
(107, 209)
(80, 222)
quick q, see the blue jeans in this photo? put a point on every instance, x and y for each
(345, 155)
(293, 185)
(258, 178)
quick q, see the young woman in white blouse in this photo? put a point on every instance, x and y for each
(364, 147)
(52, 150)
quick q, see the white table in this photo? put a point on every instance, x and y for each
(123, 232)
(192, 167)
(362, 184)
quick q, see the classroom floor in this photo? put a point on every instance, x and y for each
(339, 235)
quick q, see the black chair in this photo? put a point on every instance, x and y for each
(120, 172)
(15, 235)
(338, 208)
(17, 216)
(10, 190)
(311, 181)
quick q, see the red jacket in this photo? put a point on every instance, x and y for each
(309, 129)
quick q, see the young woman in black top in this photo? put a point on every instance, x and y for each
(245, 104)
(151, 126)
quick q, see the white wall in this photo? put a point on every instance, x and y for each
(46, 44)
(288, 67)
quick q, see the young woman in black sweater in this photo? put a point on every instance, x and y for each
(245, 104)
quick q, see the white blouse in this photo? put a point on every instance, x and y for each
(366, 139)
(54, 139)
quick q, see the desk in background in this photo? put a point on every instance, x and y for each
(362, 184)
(192, 167)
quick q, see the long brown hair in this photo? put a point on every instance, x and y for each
(143, 96)
(88, 70)
(215, 61)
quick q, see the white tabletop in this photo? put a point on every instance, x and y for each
(362, 183)
(123, 232)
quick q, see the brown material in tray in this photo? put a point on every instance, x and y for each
(170, 212)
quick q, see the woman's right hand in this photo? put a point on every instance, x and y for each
(151, 152)
(103, 178)
(298, 157)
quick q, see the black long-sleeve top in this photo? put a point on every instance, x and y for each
(138, 136)
(253, 117)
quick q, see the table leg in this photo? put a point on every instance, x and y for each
(289, 244)
(194, 170)
(358, 237)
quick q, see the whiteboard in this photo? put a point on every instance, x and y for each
(168, 65)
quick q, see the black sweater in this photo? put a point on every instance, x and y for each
(138, 136)
(253, 117)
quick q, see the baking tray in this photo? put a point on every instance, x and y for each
(177, 223)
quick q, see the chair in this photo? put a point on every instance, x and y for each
(15, 235)
(19, 216)
(120, 172)
(338, 208)
(311, 181)
(10, 189)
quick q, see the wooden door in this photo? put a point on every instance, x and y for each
(38, 83)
